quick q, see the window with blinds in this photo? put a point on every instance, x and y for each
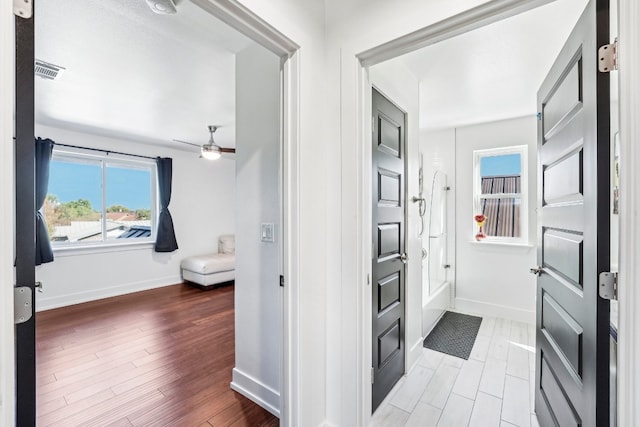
(500, 192)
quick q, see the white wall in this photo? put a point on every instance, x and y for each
(303, 22)
(493, 279)
(258, 296)
(202, 208)
(397, 83)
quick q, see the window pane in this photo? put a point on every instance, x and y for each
(128, 202)
(73, 206)
(500, 174)
(503, 217)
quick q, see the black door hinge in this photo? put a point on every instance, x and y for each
(282, 280)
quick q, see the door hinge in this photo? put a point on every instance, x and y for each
(23, 8)
(608, 57)
(373, 124)
(372, 377)
(608, 285)
(282, 280)
(22, 306)
(539, 116)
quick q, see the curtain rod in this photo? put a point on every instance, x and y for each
(105, 151)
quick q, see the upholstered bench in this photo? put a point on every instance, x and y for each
(212, 269)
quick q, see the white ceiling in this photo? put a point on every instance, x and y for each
(134, 74)
(494, 72)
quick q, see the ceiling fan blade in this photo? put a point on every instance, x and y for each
(185, 142)
(227, 150)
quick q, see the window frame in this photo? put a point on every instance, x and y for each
(522, 150)
(106, 160)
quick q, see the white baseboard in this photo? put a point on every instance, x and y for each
(49, 303)
(494, 310)
(415, 353)
(253, 389)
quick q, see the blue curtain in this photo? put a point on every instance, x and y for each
(44, 148)
(166, 236)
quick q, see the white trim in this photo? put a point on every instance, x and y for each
(488, 309)
(260, 393)
(249, 24)
(100, 248)
(45, 303)
(290, 382)
(355, 229)
(471, 19)
(7, 208)
(629, 273)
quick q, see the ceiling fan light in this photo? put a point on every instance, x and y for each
(210, 153)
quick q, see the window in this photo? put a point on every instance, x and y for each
(500, 193)
(100, 199)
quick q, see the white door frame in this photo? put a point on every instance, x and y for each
(629, 270)
(251, 25)
(356, 171)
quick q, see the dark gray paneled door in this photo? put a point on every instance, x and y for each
(25, 248)
(388, 256)
(572, 345)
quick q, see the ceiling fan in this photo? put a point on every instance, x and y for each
(210, 150)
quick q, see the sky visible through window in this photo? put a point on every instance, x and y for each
(126, 187)
(507, 164)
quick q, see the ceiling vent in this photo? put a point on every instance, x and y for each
(48, 71)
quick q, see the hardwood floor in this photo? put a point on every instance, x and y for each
(155, 358)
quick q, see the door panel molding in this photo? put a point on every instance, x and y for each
(388, 158)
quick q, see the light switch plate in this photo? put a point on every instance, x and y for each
(267, 233)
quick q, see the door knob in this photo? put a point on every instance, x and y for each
(403, 258)
(537, 271)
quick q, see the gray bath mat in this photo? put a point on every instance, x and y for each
(454, 334)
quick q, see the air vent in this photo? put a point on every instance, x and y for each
(48, 71)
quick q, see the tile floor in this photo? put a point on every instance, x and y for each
(494, 388)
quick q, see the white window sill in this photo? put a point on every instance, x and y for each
(498, 244)
(74, 250)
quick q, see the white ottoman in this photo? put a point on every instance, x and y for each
(209, 270)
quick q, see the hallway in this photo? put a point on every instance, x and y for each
(494, 388)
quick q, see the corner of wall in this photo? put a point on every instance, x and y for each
(255, 390)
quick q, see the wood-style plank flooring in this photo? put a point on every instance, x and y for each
(155, 358)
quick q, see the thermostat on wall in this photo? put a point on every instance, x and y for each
(267, 232)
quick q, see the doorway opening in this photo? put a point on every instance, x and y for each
(109, 130)
(458, 272)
